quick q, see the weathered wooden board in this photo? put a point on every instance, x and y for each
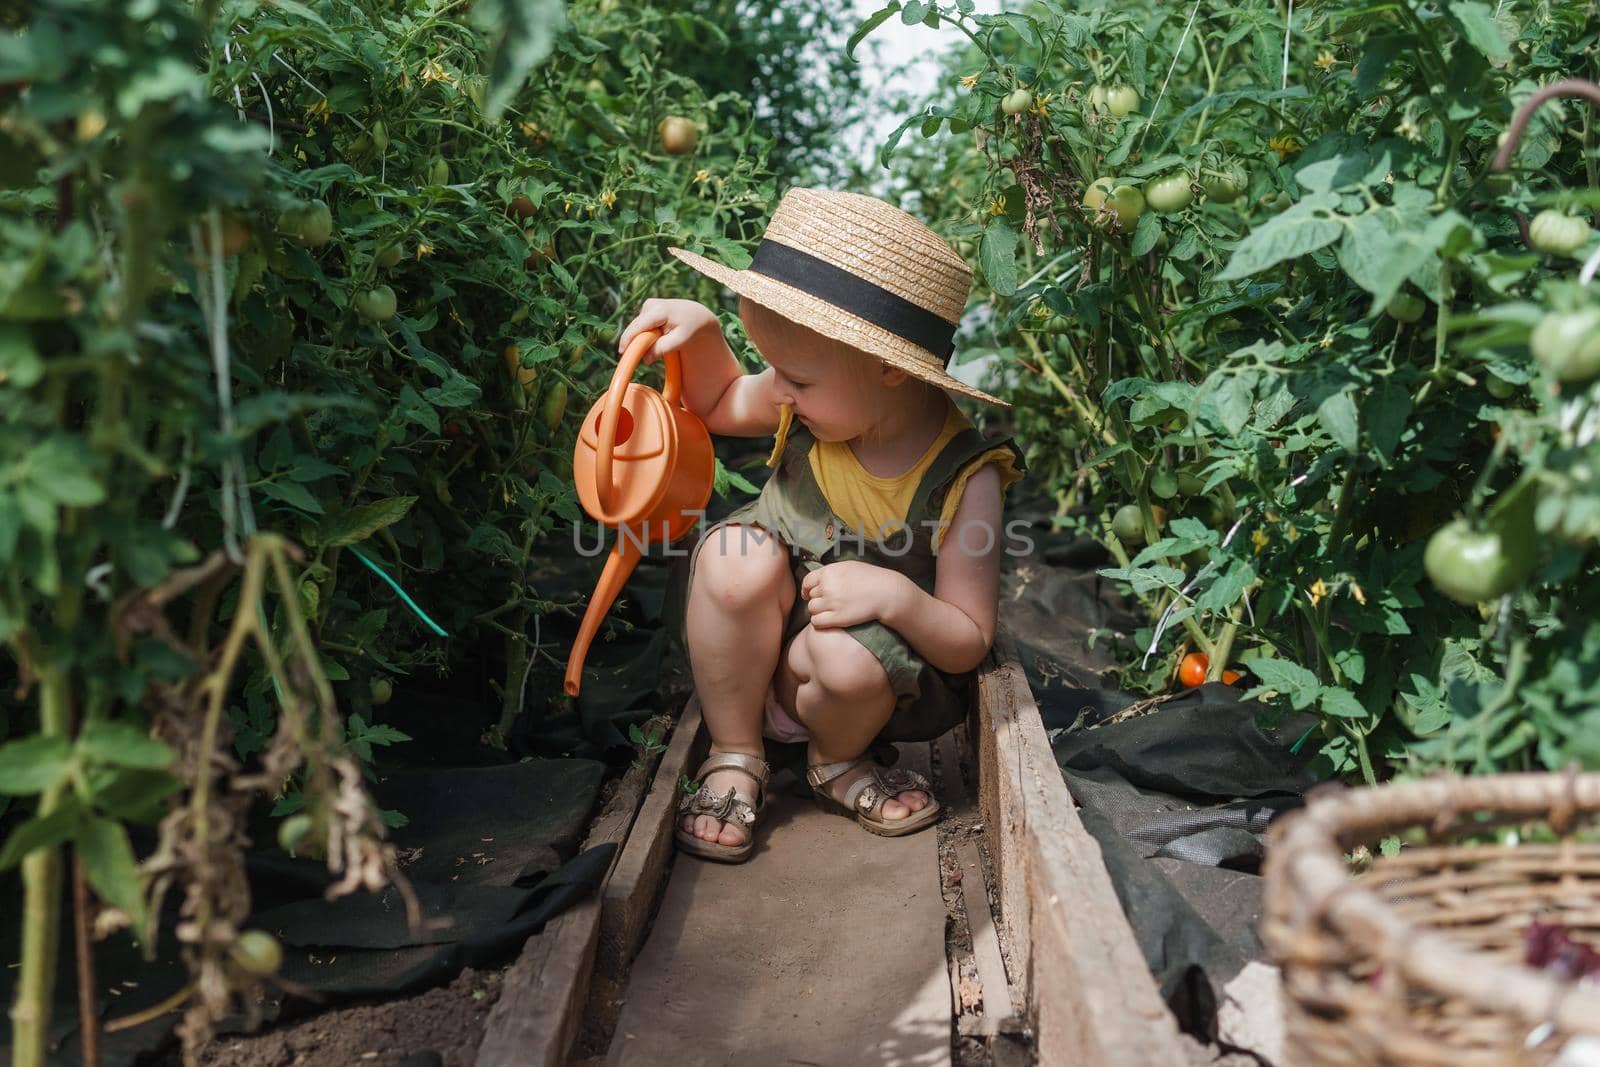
(635, 883)
(546, 990)
(1089, 992)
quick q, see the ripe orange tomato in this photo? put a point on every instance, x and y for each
(1192, 671)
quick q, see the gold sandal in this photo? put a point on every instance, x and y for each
(866, 796)
(730, 807)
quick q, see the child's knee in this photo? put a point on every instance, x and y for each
(843, 667)
(736, 566)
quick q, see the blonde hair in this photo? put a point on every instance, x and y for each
(771, 332)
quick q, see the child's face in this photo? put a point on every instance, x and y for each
(828, 396)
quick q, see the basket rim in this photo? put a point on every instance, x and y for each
(1307, 878)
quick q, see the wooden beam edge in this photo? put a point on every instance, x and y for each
(1089, 990)
(547, 990)
(629, 896)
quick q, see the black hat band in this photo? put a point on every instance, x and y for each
(861, 298)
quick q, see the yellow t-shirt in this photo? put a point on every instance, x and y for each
(877, 506)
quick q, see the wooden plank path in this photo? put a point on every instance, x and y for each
(828, 946)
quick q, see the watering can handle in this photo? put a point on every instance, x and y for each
(611, 414)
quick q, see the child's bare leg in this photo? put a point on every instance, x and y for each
(741, 595)
(839, 691)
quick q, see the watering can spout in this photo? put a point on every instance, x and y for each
(625, 555)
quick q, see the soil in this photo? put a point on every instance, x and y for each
(447, 1021)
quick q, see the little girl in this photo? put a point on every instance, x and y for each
(850, 602)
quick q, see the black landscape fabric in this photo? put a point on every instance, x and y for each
(491, 855)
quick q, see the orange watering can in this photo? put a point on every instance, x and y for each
(644, 466)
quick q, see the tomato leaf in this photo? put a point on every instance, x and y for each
(1338, 416)
(20, 366)
(63, 469)
(123, 744)
(1301, 229)
(360, 523)
(876, 19)
(110, 867)
(1341, 703)
(1481, 30)
(1386, 411)
(521, 34)
(1281, 676)
(1146, 233)
(42, 831)
(997, 254)
(33, 764)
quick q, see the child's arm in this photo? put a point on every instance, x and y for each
(953, 628)
(729, 401)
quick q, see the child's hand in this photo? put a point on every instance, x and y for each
(681, 323)
(845, 593)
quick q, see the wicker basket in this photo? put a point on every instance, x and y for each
(1418, 961)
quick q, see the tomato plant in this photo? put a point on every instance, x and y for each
(1342, 350)
(212, 405)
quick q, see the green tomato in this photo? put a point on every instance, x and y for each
(555, 406)
(1404, 307)
(1557, 233)
(1226, 184)
(1498, 387)
(382, 690)
(257, 952)
(1016, 101)
(310, 223)
(380, 136)
(1470, 566)
(1567, 344)
(438, 172)
(1168, 194)
(1164, 484)
(377, 304)
(1128, 525)
(1190, 484)
(1097, 98)
(293, 830)
(1119, 206)
(1121, 100)
(388, 254)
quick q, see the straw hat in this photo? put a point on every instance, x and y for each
(861, 271)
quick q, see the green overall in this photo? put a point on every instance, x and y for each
(928, 701)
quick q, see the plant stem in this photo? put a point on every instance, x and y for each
(41, 905)
(1223, 648)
